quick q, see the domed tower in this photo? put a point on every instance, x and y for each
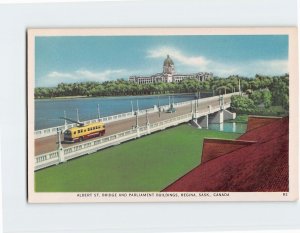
(168, 67)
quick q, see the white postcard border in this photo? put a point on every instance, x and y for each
(84, 197)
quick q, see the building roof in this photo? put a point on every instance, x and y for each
(256, 162)
(168, 61)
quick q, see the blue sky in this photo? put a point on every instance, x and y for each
(72, 59)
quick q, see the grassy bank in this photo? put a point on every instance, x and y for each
(147, 164)
(271, 111)
(240, 118)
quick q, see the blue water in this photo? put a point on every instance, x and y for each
(48, 111)
(229, 127)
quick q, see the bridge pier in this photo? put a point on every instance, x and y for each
(221, 116)
(229, 115)
(217, 118)
(194, 123)
(203, 121)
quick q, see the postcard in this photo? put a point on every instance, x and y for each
(162, 114)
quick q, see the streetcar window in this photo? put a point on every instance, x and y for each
(78, 131)
(67, 132)
(74, 132)
(81, 131)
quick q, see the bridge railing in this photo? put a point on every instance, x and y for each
(52, 158)
(53, 130)
(46, 160)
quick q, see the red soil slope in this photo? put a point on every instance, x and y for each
(258, 121)
(213, 148)
(259, 167)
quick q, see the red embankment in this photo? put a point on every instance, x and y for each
(271, 130)
(258, 121)
(259, 167)
(213, 148)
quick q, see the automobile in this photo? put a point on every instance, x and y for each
(171, 110)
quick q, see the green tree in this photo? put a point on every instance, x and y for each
(242, 104)
(256, 96)
(267, 98)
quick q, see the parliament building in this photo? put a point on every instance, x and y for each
(168, 75)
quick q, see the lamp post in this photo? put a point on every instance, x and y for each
(137, 124)
(147, 119)
(65, 116)
(59, 138)
(159, 109)
(99, 112)
(131, 107)
(158, 102)
(147, 122)
(60, 148)
(136, 120)
(77, 114)
(137, 105)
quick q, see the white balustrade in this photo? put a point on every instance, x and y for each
(52, 158)
(52, 131)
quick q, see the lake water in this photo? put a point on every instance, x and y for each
(229, 127)
(48, 111)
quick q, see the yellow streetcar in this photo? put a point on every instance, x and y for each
(83, 132)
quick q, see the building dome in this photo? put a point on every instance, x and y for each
(168, 61)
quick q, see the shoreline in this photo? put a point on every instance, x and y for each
(120, 96)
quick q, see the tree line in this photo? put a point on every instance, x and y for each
(276, 85)
(260, 99)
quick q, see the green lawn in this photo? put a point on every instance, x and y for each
(147, 164)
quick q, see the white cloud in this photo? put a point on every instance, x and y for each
(185, 62)
(270, 66)
(55, 74)
(100, 76)
(265, 67)
(179, 56)
(82, 75)
(200, 63)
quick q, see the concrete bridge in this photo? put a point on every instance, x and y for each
(126, 127)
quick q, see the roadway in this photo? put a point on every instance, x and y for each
(47, 144)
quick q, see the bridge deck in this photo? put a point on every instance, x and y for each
(47, 144)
